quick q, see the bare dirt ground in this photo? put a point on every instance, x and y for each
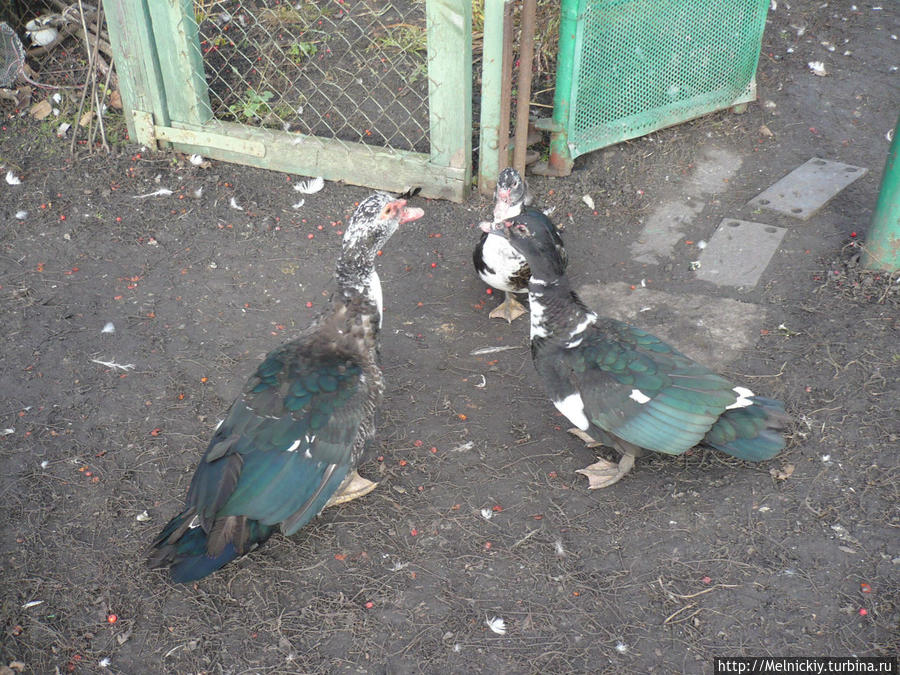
(687, 558)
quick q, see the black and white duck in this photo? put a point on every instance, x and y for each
(624, 388)
(290, 443)
(497, 263)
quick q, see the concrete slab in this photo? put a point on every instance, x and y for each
(667, 224)
(739, 252)
(714, 331)
(808, 188)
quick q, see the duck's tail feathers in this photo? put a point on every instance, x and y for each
(753, 433)
(185, 550)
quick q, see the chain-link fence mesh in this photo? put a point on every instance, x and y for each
(50, 32)
(354, 71)
(12, 55)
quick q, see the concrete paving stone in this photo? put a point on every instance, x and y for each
(808, 188)
(712, 331)
(739, 252)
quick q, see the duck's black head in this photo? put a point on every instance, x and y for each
(376, 218)
(510, 196)
(528, 235)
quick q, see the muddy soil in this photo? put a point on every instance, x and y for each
(479, 514)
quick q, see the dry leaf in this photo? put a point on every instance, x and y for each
(782, 474)
(86, 118)
(587, 199)
(765, 131)
(115, 100)
(41, 109)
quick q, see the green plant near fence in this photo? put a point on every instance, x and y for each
(370, 93)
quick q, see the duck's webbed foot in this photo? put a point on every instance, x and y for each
(353, 487)
(510, 309)
(603, 473)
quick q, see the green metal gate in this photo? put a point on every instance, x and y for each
(370, 93)
(629, 67)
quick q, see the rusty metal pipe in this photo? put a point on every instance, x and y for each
(523, 102)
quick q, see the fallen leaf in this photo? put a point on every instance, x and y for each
(86, 118)
(41, 109)
(115, 100)
(587, 199)
(782, 474)
(765, 131)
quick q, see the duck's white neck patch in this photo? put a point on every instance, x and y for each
(639, 396)
(537, 317)
(375, 294)
(572, 406)
(743, 399)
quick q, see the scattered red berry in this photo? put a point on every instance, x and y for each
(112, 618)
(863, 611)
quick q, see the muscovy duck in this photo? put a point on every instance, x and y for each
(625, 388)
(497, 263)
(290, 443)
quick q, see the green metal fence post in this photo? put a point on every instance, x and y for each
(882, 250)
(561, 162)
(491, 85)
(449, 34)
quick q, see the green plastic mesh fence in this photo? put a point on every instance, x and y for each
(641, 65)
(354, 71)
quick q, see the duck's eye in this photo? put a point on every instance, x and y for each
(521, 228)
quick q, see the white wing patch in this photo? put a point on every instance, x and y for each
(294, 446)
(589, 319)
(743, 399)
(573, 408)
(639, 396)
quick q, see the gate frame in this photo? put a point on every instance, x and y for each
(166, 100)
